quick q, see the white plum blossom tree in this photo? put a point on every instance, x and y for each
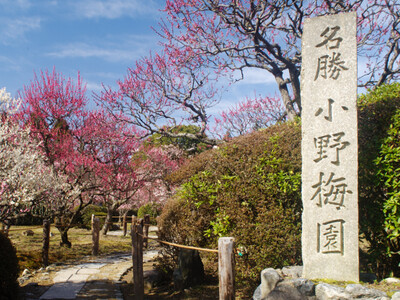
(25, 179)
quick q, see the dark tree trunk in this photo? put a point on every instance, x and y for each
(63, 228)
(64, 238)
(46, 243)
(108, 222)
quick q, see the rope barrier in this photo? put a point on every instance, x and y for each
(179, 246)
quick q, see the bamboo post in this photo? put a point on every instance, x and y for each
(124, 224)
(226, 267)
(146, 230)
(137, 257)
(95, 235)
(46, 242)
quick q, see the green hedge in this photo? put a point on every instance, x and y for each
(379, 173)
(86, 215)
(151, 209)
(249, 188)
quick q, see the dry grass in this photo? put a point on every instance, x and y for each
(29, 247)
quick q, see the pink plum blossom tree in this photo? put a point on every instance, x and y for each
(267, 35)
(53, 108)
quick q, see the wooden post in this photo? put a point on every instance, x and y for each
(137, 257)
(226, 267)
(95, 235)
(46, 242)
(146, 230)
(124, 225)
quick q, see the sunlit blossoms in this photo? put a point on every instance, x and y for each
(25, 179)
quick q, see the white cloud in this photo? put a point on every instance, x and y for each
(112, 9)
(256, 76)
(12, 4)
(16, 29)
(84, 50)
(94, 86)
(122, 48)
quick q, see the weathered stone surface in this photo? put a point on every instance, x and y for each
(274, 287)
(283, 291)
(396, 296)
(28, 233)
(304, 286)
(292, 271)
(324, 291)
(257, 293)
(152, 278)
(190, 269)
(391, 280)
(329, 148)
(269, 279)
(357, 291)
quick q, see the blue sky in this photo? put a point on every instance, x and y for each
(98, 38)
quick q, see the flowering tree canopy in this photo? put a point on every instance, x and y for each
(267, 35)
(165, 91)
(249, 115)
(54, 110)
(25, 179)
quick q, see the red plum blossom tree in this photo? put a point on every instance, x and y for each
(53, 108)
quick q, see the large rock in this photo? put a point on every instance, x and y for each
(269, 279)
(190, 269)
(324, 291)
(28, 233)
(285, 284)
(304, 286)
(357, 291)
(396, 296)
(257, 293)
(152, 278)
(283, 291)
(293, 271)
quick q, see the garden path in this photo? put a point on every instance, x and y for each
(91, 278)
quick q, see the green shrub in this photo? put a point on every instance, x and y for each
(389, 172)
(9, 269)
(152, 209)
(87, 212)
(379, 115)
(249, 188)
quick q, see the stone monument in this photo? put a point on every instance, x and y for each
(329, 148)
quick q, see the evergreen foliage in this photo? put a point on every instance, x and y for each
(92, 209)
(151, 209)
(249, 188)
(185, 137)
(379, 173)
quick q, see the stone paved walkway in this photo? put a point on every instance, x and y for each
(97, 279)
